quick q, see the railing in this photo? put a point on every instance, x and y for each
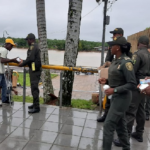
(64, 68)
(79, 69)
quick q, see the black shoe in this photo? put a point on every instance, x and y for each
(137, 137)
(147, 117)
(117, 143)
(31, 106)
(34, 110)
(101, 119)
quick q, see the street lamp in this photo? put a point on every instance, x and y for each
(4, 33)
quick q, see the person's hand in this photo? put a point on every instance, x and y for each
(15, 60)
(147, 78)
(102, 81)
(16, 92)
(146, 90)
(138, 86)
(21, 61)
(109, 91)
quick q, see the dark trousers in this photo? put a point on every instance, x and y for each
(115, 120)
(147, 106)
(136, 111)
(34, 80)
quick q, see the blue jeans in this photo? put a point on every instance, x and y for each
(4, 87)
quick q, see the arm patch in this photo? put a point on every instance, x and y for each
(129, 66)
(134, 58)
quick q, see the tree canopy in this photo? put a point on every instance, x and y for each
(58, 44)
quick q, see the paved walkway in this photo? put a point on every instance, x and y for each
(55, 129)
(84, 86)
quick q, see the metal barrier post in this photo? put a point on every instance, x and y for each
(24, 85)
(100, 99)
(60, 103)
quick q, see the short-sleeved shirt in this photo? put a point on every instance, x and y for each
(3, 54)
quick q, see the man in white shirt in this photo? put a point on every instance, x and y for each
(9, 43)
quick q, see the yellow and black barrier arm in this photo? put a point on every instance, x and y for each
(80, 69)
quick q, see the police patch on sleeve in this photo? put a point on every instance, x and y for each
(134, 58)
(129, 66)
(114, 38)
(31, 47)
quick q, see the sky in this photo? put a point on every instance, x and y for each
(18, 18)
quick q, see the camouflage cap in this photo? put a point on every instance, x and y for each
(143, 40)
(30, 36)
(117, 31)
(119, 41)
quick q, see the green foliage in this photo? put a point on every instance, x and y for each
(82, 104)
(58, 44)
(147, 28)
(20, 79)
(88, 45)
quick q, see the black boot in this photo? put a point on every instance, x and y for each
(139, 138)
(147, 117)
(102, 119)
(117, 143)
(34, 110)
(31, 106)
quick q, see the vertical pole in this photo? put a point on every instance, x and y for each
(103, 50)
(60, 103)
(24, 85)
(104, 30)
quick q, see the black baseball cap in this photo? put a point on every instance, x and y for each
(143, 40)
(30, 36)
(117, 31)
(119, 41)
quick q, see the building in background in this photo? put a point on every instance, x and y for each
(133, 39)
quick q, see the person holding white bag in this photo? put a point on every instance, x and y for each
(121, 79)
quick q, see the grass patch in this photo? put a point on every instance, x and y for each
(83, 104)
(76, 103)
(20, 79)
(28, 99)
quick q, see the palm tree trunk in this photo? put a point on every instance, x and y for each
(71, 48)
(42, 35)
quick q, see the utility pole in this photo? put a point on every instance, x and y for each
(104, 30)
(105, 22)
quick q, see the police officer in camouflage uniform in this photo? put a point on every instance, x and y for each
(118, 32)
(141, 61)
(34, 62)
(121, 79)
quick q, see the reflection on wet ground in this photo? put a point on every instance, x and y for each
(55, 129)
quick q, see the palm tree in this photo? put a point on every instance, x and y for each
(42, 35)
(71, 48)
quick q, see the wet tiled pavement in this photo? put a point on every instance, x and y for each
(55, 129)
